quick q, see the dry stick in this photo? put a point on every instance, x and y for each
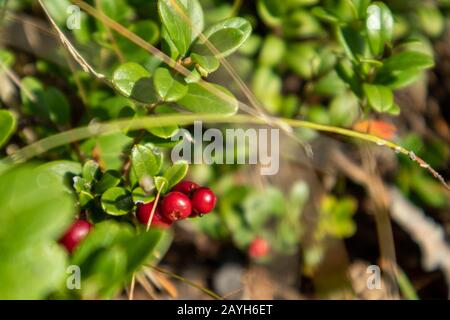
(72, 50)
(149, 222)
(383, 224)
(133, 281)
(193, 284)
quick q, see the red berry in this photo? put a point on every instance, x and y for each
(258, 248)
(203, 201)
(73, 236)
(144, 210)
(187, 187)
(176, 206)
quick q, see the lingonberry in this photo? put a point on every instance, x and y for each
(203, 201)
(144, 210)
(187, 187)
(176, 206)
(76, 232)
(258, 248)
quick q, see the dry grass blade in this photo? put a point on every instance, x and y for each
(72, 50)
(188, 282)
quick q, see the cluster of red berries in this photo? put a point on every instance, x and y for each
(186, 199)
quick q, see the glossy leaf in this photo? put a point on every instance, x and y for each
(164, 132)
(168, 88)
(117, 201)
(225, 37)
(379, 97)
(143, 163)
(379, 26)
(162, 185)
(110, 178)
(200, 100)
(175, 19)
(407, 60)
(176, 173)
(134, 81)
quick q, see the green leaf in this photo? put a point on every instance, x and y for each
(34, 212)
(379, 97)
(63, 171)
(134, 81)
(379, 26)
(117, 201)
(176, 21)
(169, 89)
(140, 196)
(105, 274)
(33, 206)
(206, 64)
(143, 163)
(140, 248)
(200, 100)
(32, 272)
(104, 235)
(58, 106)
(161, 183)
(272, 52)
(164, 132)
(32, 96)
(407, 60)
(110, 179)
(176, 173)
(225, 37)
(91, 171)
(195, 14)
(324, 15)
(8, 124)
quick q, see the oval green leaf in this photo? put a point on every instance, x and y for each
(143, 163)
(117, 201)
(200, 100)
(110, 179)
(379, 26)
(134, 81)
(225, 37)
(176, 173)
(379, 97)
(169, 89)
(175, 19)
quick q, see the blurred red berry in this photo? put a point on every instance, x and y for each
(203, 201)
(143, 212)
(258, 248)
(187, 187)
(75, 234)
(176, 206)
